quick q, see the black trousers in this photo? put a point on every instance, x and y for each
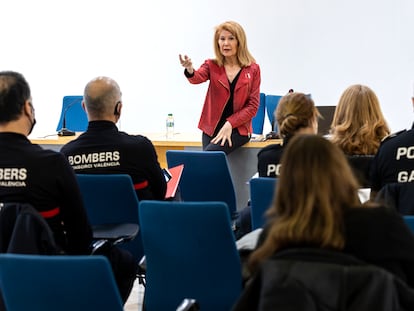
(236, 139)
(125, 268)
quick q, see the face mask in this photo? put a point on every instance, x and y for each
(33, 124)
(34, 119)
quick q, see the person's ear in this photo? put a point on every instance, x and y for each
(118, 107)
(28, 108)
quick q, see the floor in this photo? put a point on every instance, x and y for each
(134, 302)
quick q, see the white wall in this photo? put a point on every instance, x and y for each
(318, 46)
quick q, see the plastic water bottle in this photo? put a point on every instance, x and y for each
(170, 126)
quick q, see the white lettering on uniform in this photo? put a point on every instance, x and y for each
(273, 168)
(404, 176)
(96, 157)
(13, 174)
(408, 152)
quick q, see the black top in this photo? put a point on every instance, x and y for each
(44, 178)
(102, 149)
(228, 109)
(378, 236)
(381, 237)
(394, 161)
(361, 165)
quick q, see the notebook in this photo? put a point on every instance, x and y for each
(173, 176)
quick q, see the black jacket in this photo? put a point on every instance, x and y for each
(314, 279)
(44, 179)
(102, 149)
(394, 160)
(24, 231)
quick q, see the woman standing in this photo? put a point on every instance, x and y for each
(232, 97)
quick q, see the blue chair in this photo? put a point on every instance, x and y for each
(206, 176)
(65, 283)
(190, 253)
(258, 120)
(262, 190)
(111, 199)
(73, 114)
(409, 220)
(271, 104)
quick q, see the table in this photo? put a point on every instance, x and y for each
(242, 162)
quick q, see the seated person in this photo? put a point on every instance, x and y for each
(103, 149)
(44, 179)
(358, 127)
(393, 161)
(317, 207)
(296, 113)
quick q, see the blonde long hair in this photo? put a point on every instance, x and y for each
(316, 184)
(243, 55)
(358, 125)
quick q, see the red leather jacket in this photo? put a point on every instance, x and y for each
(245, 100)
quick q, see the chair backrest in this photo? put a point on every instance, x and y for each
(190, 253)
(399, 196)
(206, 176)
(72, 111)
(262, 190)
(409, 220)
(258, 120)
(111, 199)
(65, 283)
(271, 103)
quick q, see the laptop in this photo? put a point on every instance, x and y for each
(324, 123)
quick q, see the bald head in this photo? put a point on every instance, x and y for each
(102, 97)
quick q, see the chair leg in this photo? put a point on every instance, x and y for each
(141, 271)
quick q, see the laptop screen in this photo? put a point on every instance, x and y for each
(324, 123)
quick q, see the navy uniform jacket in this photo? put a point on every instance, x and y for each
(394, 161)
(45, 179)
(268, 160)
(270, 156)
(102, 149)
